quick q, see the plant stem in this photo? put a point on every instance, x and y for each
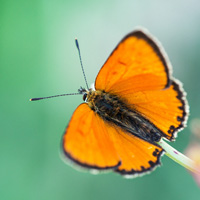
(179, 157)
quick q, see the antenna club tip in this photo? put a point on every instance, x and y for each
(30, 99)
(76, 41)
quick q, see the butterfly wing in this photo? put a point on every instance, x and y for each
(137, 156)
(86, 141)
(138, 71)
(138, 61)
(92, 143)
(166, 109)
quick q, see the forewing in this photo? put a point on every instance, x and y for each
(137, 62)
(86, 141)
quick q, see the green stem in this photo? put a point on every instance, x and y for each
(179, 157)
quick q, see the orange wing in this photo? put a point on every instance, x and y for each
(86, 141)
(94, 144)
(136, 62)
(138, 72)
(166, 109)
(137, 156)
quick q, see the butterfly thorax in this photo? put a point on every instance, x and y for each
(116, 111)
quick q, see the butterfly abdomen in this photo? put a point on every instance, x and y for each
(115, 111)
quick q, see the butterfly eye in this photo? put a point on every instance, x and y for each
(85, 97)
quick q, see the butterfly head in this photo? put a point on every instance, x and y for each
(85, 93)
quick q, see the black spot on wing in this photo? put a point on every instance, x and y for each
(183, 118)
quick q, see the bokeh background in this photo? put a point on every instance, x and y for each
(38, 58)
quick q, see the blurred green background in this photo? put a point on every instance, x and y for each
(38, 58)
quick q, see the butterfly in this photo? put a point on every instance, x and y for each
(134, 104)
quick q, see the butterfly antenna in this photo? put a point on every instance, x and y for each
(36, 99)
(79, 52)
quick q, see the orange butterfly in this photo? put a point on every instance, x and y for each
(135, 103)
